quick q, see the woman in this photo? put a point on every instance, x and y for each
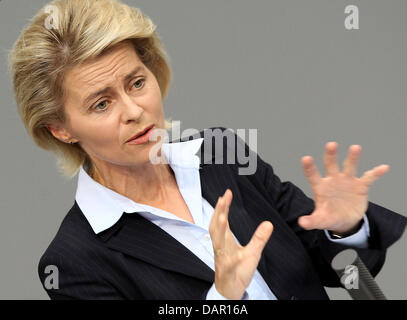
(89, 81)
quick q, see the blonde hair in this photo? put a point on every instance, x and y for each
(41, 56)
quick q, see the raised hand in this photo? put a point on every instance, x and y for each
(234, 264)
(340, 198)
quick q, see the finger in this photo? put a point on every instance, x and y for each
(219, 221)
(216, 212)
(216, 228)
(228, 196)
(350, 163)
(372, 175)
(220, 240)
(310, 170)
(330, 162)
(260, 238)
(313, 221)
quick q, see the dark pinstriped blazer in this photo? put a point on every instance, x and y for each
(135, 259)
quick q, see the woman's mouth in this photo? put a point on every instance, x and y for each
(142, 138)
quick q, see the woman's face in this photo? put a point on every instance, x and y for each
(107, 104)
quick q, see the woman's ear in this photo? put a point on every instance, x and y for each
(59, 132)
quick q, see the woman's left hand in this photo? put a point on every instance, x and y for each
(341, 198)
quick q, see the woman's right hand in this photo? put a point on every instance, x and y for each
(234, 264)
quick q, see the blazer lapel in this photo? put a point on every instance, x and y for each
(142, 239)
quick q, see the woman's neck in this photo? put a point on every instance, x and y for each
(151, 184)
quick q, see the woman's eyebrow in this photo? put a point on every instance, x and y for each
(104, 90)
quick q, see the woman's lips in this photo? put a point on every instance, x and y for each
(143, 138)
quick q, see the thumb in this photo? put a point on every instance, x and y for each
(309, 222)
(260, 237)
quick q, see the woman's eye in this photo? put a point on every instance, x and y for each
(140, 81)
(138, 84)
(103, 104)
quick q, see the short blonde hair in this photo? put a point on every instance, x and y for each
(41, 57)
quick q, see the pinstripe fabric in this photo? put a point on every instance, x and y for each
(135, 259)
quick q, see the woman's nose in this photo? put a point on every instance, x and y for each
(131, 111)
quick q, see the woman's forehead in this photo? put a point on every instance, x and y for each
(118, 65)
(109, 63)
